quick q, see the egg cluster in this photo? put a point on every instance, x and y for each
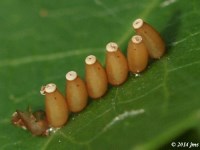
(145, 45)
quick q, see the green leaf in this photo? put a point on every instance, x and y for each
(42, 40)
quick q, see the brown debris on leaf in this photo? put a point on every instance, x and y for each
(35, 122)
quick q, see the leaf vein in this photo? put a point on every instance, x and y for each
(184, 66)
(141, 96)
(48, 57)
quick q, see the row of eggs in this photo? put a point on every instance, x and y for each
(147, 43)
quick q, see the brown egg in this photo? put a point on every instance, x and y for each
(116, 64)
(76, 92)
(95, 77)
(137, 54)
(151, 38)
(55, 105)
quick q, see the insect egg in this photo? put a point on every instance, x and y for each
(55, 105)
(76, 92)
(137, 54)
(95, 77)
(116, 64)
(152, 39)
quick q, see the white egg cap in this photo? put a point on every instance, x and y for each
(136, 39)
(112, 47)
(138, 23)
(91, 59)
(49, 88)
(71, 75)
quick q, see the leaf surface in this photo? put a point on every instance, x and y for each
(41, 41)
